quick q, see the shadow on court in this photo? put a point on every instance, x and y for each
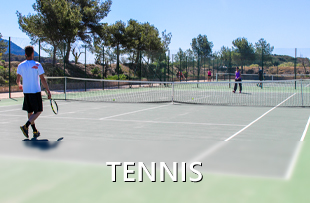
(43, 144)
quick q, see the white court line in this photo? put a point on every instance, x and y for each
(305, 131)
(133, 112)
(11, 110)
(73, 118)
(168, 122)
(295, 156)
(221, 143)
(207, 152)
(12, 105)
(237, 133)
(291, 167)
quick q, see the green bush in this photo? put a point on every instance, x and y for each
(115, 77)
(185, 74)
(95, 71)
(287, 64)
(254, 66)
(2, 80)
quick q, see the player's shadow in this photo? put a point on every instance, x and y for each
(43, 144)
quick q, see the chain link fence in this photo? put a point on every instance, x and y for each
(83, 61)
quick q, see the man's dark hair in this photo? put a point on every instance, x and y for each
(29, 50)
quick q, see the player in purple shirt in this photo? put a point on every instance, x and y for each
(238, 78)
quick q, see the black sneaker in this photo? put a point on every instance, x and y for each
(36, 134)
(24, 129)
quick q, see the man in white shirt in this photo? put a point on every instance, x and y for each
(31, 72)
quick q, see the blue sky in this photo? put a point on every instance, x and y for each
(283, 23)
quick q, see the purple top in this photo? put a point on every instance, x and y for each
(237, 74)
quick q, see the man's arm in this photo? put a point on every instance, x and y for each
(45, 85)
(18, 81)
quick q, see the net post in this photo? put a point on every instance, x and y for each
(65, 88)
(216, 77)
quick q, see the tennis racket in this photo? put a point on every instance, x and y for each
(53, 103)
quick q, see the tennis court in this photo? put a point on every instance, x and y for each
(248, 153)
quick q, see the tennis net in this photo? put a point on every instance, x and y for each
(271, 93)
(231, 76)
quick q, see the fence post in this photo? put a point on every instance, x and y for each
(295, 66)
(204, 68)
(39, 51)
(10, 67)
(85, 68)
(198, 69)
(140, 67)
(172, 92)
(103, 68)
(180, 68)
(302, 96)
(65, 64)
(168, 65)
(186, 70)
(65, 88)
(165, 68)
(172, 67)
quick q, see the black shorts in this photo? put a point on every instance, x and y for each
(33, 102)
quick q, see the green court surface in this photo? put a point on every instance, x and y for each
(249, 154)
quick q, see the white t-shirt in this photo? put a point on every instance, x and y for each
(30, 71)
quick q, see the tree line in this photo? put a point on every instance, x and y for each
(242, 52)
(60, 24)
